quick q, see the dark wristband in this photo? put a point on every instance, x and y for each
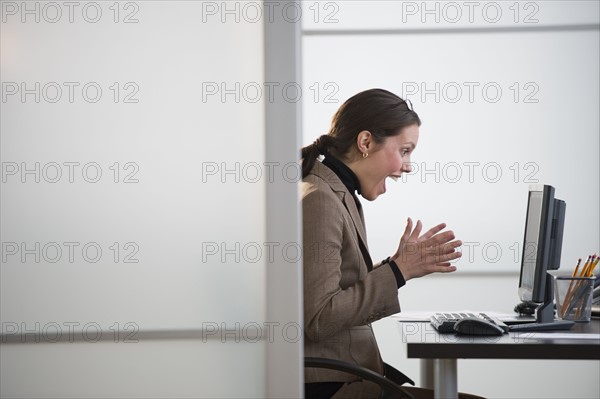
(400, 281)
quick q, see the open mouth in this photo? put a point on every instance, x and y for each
(394, 178)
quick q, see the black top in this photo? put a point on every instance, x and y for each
(346, 175)
(350, 180)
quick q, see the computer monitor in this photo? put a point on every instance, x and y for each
(542, 244)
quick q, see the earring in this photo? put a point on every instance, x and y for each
(365, 154)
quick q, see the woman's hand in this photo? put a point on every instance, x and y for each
(418, 256)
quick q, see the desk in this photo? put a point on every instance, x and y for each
(439, 352)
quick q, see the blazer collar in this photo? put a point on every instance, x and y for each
(345, 196)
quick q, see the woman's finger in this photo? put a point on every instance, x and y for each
(416, 232)
(431, 232)
(439, 239)
(407, 231)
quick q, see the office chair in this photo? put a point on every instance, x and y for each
(390, 384)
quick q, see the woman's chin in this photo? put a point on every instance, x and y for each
(373, 192)
(368, 196)
(372, 196)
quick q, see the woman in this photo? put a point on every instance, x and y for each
(371, 138)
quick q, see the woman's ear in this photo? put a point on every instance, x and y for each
(364, 141)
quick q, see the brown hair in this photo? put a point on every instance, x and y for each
(379, 111)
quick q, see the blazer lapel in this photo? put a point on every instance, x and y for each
(347, 199)
(357, 217)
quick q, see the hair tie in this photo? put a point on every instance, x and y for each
(321, 144)
(317, 144)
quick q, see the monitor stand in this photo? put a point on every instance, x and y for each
(545, 314)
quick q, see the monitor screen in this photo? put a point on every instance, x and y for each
(542, 244)
(542, 241)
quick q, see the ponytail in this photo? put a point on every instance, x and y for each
(311, 152)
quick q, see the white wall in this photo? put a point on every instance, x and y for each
(192, 235)
(546, 134)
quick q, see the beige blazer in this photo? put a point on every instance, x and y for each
(341, 298)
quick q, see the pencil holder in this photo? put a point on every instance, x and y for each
(574, 298)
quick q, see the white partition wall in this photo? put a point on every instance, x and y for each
(285, 350)
(140, 252)
(508, 93)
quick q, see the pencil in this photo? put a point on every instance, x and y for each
(585, 266)
(593, 266)
(568, 294)
(576, 268)
(588, 267)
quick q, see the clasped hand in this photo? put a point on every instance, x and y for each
(419, 255)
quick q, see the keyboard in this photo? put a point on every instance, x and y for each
(444, 322)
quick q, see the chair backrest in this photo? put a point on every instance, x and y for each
(390, 389)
